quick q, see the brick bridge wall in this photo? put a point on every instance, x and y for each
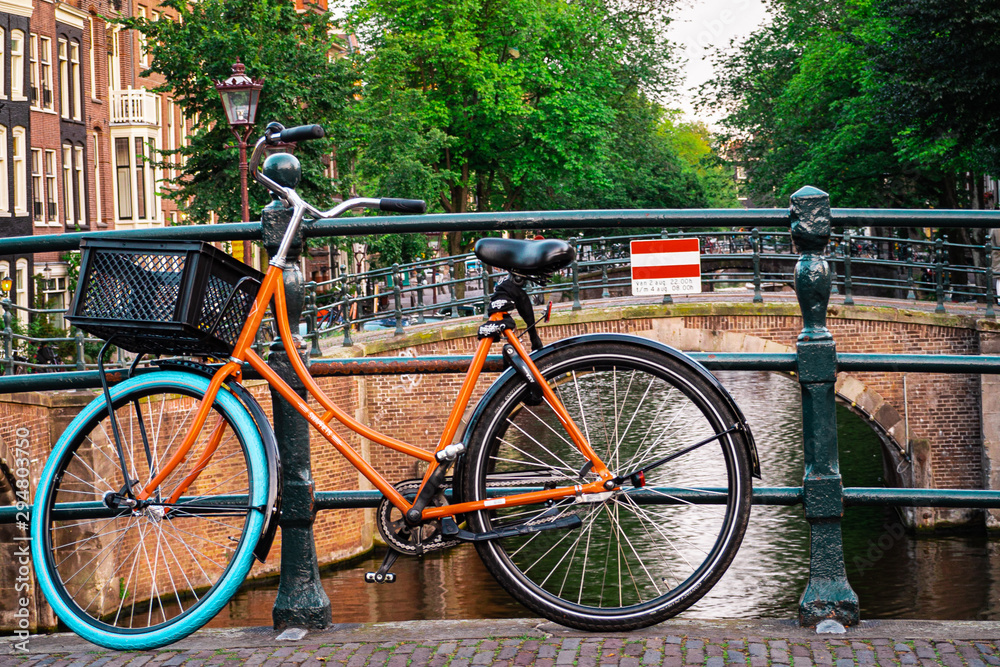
(945, 419)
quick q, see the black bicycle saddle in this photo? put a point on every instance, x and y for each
(525, 257)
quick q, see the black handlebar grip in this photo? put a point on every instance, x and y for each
(301, 133)
(403, 205)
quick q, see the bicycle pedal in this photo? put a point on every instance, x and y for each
(376, 578)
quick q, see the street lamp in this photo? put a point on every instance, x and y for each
(239, 95)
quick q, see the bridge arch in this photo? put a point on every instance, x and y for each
(853, 393)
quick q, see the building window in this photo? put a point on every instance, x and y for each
(79, 186)
(114, 58)
(73, 184)
(17, 64)
(93, 60)
(40, 71)
(20, 172)
(21, 290)
(122, 168)
(4, 201)
(45, 58)
(77, 83)
(135, 179)
(38, 208)
(143, 55)
(34, 72)
(141, 177)
(51, 202)
(54, 292)
(95, 151)
(70, 86)
(64, 92)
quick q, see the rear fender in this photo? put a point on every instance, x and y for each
(652, 345)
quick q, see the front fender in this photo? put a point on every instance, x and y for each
(693, 365)
(273, 510)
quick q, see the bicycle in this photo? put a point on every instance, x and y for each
(604, 479)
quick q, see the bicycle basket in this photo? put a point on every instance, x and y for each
(183, 297)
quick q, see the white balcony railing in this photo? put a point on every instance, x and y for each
(134, 106)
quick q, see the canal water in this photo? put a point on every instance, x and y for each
(894, 574)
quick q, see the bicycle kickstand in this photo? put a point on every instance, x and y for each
(383, 575)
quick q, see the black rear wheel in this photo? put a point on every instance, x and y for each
(641, 553)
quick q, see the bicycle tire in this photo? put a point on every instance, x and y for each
(143, 579)
(635, 406)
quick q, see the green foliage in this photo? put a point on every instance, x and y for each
(290, 51)
(486, 105)
(879, 102)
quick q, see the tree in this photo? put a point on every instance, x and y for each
(936, 79)
(289, 50)
(480, 105)
(881, 102)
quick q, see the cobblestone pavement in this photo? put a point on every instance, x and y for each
(398, 645)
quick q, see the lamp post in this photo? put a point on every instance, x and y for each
(239, 95)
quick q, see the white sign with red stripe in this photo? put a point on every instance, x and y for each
(666, 266)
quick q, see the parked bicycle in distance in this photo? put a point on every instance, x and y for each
(604, 479)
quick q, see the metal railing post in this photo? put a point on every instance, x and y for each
(420, 300)
(397, 298)
(828, 595)
(575, 270)
(848, 284)
(939, 274)
(312, 331)
(485, 280)
(453, 312)
(8, 337)
(301, 601)
(990, 286)
(755, 249)
(911, 293)
(345, 310)
(605, 293)
(81, 361)
(667, 299)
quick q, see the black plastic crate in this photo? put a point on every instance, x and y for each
(180, 297)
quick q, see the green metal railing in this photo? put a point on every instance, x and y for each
(397, 297)
(815, 362)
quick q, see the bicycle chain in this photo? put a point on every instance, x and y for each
(400, 536)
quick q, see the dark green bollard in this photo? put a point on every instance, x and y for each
(301, 600)
(828, 595)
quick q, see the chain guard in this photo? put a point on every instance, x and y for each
(411, 541)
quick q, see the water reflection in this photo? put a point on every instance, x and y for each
(895, 575)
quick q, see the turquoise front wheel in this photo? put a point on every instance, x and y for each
(139, 576)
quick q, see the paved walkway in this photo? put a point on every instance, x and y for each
(522, 642)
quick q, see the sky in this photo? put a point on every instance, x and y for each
(700, 27)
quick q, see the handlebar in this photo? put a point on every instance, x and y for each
(403, 205)
(292, 135)
(276, 133)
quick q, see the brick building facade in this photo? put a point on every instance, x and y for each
(78, 129)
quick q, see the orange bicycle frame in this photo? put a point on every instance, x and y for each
(273, 286)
